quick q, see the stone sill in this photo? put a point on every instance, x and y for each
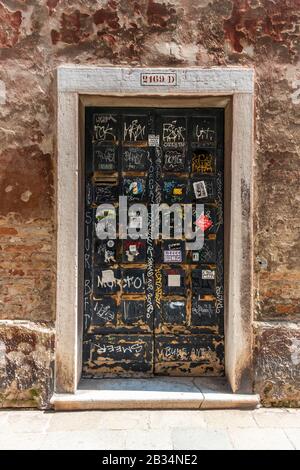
(153, 393)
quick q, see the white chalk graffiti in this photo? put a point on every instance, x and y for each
(104, 119)
(134, 282)
(169, 351)
(103, 311)
(173, 133)
(134, 131)
(103, 133)
(203, 310)
(204, 134)
(111, 348)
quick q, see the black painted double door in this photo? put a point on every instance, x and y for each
(152, 304)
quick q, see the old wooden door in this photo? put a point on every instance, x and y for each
(152, 306)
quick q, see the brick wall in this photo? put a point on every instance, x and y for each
(38, 35)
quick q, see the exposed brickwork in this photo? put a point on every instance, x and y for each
(27, 255)
(37, 36)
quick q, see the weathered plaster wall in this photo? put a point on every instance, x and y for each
(38, 35)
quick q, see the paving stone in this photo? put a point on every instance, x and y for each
(294, 437)
(3, 420)
(21, 441)
(222, 419)
(151, 429)
(260, 439)
(84, 440)
(170, 418)
(74, 421)
(200, 439)
(94, 420)
(121, 419)
(26, 421)
(277, 418)
(149, 440)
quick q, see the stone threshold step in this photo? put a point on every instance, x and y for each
(154, 393)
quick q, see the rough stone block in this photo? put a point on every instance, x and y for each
(26, 364)
(277, 363)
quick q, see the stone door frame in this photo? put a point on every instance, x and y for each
(231, 88)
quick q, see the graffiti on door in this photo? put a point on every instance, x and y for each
(153, 303)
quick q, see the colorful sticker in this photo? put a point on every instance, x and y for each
(208, 274)
(134, 188)
(174, 190)
(134, 251)
(203, 222)
(172, 256)
(153, 140)
(174, 280)
(200, 189)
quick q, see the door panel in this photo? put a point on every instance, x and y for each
(188, 355)
(119, 355)
(152, 306)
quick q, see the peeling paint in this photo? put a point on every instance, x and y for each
(36, 37)
(9, 26)
(26, 196)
